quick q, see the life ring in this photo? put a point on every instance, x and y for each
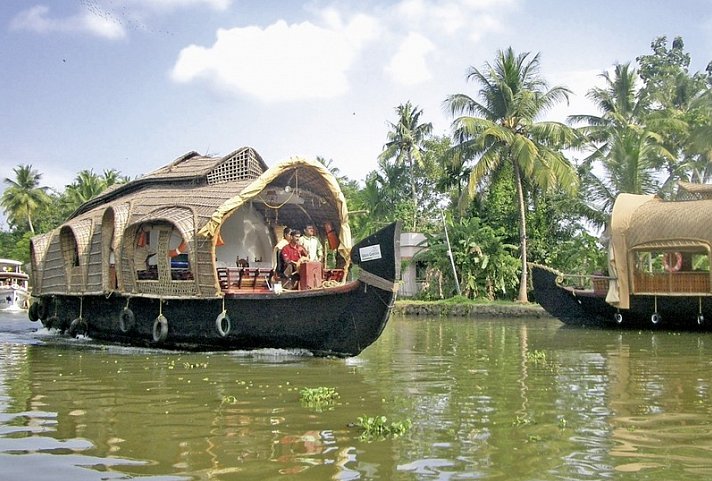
(178, 250)
(669, 265)
(222, 324)
(14, 286)
(32, 312)
(127, 320)
(160, 328)
(77, 327)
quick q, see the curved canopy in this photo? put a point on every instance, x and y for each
(308, 174)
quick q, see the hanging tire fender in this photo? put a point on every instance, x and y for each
(160, 328)
(32, 312)
(127, 320)
(222, 324)
(42, 309)
(50, 322)
(77, 327)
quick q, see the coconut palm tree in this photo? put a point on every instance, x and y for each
(627, 152)
(405, 144)
(112, 177)
(620, 102)
(502, 128)
(23, 196)
(86, 186)
(632, 165)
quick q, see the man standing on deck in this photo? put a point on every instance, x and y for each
(312, 244)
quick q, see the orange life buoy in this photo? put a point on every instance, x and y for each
(178, 250)
(668, 263)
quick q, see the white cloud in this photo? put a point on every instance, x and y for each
(38, 19)
(282, 61)
(453, 16)
(408, 66)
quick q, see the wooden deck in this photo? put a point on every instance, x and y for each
(236, 280)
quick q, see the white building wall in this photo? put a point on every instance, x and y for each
(411, 244)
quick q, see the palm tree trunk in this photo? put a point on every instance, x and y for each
(412, 191)
(523, 298)
(29, 221)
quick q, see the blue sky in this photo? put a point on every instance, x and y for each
(133, 84)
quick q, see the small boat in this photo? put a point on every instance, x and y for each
(14, 288)
(659, 258)
(183, 258)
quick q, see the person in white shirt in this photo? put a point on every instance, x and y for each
(312, 244)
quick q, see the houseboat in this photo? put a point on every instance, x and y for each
(14, 288)
(659, 256)
(183, 258)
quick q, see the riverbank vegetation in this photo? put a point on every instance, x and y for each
(510, 186)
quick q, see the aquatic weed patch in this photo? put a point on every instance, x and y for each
(318, 398)
(378, 427)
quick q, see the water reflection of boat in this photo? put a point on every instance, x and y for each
(150, 262)
(659, 258)
(14, 288)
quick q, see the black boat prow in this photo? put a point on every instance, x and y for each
(383, 263)
(570, 306)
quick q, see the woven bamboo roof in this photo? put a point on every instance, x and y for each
(670, 222)
(689, 190)
(202, 184)
(189, 169)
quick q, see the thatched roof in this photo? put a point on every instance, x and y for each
(190, 169)
(689, 190)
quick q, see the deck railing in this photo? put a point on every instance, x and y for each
(596, 283)
(671, 283)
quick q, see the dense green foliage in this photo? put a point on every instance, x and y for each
(31, 208)
(511, 188)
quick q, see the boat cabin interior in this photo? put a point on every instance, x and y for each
(659, 271)
(244, 255)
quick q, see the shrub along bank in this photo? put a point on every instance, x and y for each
(462, 307)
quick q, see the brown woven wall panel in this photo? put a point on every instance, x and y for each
(671, 283)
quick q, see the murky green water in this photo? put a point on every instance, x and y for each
(489, 400)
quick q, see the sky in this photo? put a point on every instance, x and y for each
(133, 84)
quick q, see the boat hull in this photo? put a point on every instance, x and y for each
(14, 299)
(589, 308)
(333, 321)
(337, 321)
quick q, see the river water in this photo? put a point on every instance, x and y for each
(499, 399)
